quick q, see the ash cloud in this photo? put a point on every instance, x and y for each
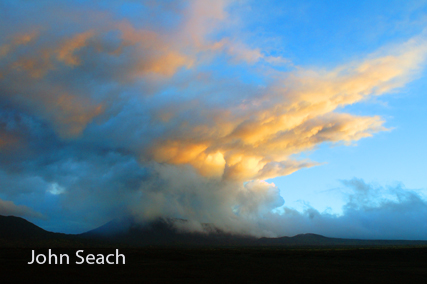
(103, 115)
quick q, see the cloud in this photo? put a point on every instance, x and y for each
(9, 208)
(66, 51)
(371, 212)
(182, 193)
(102, 115)
(258, 198)
(293, 115)
(7, 140)
(16, 41)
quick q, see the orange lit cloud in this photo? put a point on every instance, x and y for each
(257, 139)
(17, 40)
(66, 51)
(143, 53)
(70, 114)
(254, 139)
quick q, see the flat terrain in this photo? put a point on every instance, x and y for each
(226, 265)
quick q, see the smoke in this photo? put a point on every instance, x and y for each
(105, 114)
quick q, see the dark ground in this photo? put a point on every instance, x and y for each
(226, 265)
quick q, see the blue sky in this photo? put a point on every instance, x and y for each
(266, 118)
(387, 158)
(334, 32)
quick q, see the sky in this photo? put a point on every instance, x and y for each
(267, 118)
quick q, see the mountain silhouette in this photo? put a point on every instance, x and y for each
(16, 228)
(18, 232)
(164, 232)
(127, 232)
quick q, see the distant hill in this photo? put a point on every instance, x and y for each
(319, 240)
(18, 232)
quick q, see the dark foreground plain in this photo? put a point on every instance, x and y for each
(157, 253)
(226, 265)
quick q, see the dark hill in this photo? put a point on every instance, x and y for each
(16, 228)
(18, 232)
(163, 232)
